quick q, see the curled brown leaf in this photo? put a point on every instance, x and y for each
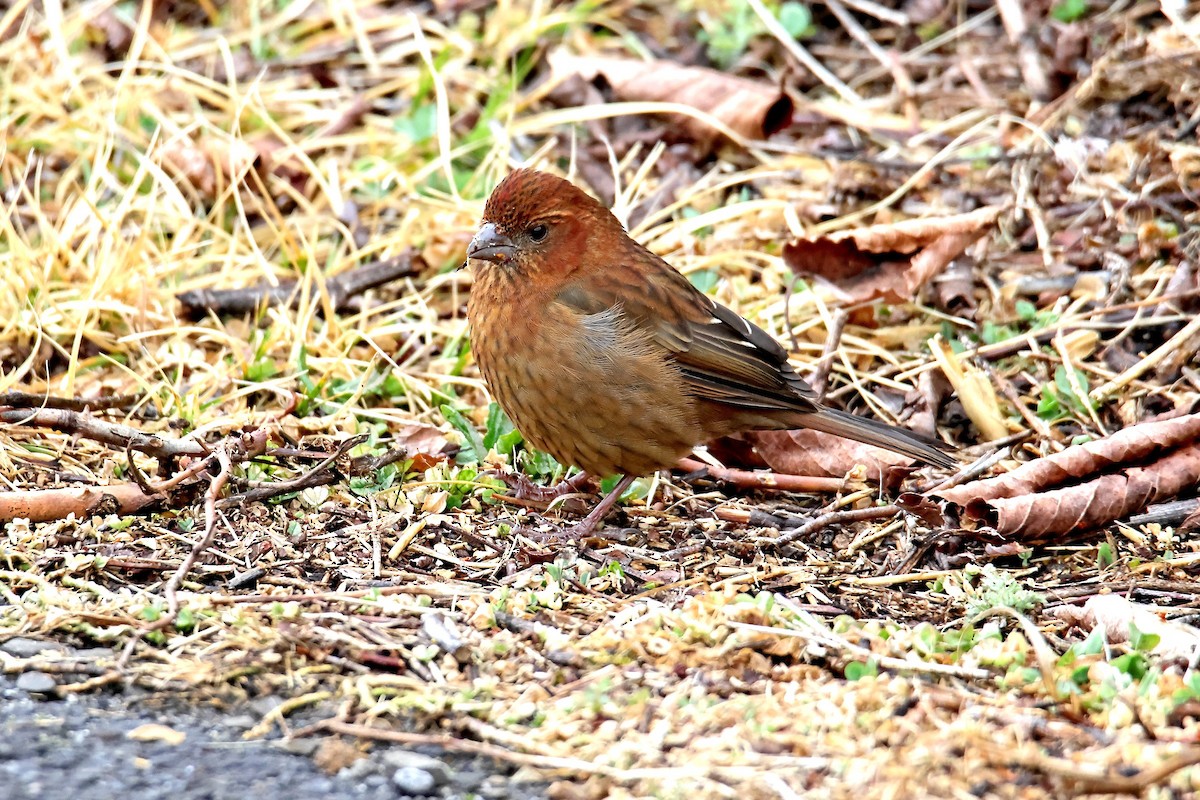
(809, 452)
(1088, 485)
(892, 261)
(750, 109)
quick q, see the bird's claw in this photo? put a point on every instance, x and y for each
(525, 489)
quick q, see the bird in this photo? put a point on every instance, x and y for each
(608, 358)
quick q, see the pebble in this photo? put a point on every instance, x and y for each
(411, 780)
(406, 759)
(24, 647)
(35, 682)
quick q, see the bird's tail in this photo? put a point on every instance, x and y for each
(880, 434)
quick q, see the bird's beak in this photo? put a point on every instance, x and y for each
(491, 245)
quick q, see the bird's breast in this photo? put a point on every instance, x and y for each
(590, 389)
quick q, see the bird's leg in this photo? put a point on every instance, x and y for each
(588, 524)
(526, 489)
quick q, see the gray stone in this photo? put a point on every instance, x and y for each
(24, 647)
(35, 682)
(400, 759)
(300, 747)
(411, 780)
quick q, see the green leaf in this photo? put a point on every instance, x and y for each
(498, 426)
(419, 125)
(1049, 408)
(1063, 382)
(538, 464)
(1091, 646)
(796, 19)
(473, 450)
(1143, 642)
(992, 333)
(1132, 664)
(260, 370)
(1069, 10)
(705, 279)
(857, 670)
(509, 442)
(185, 620)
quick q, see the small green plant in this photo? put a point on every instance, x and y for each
(473, 451)
(1069, 10)
(1190, 691)
(857, 670)
(382, 480)
(997, 588)
(501, 436)
(1060, 399)
(1142, 642)
(728, 36)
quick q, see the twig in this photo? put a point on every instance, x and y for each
(888, 61)
(1028, 57)
(341, 288)
(1127, 377)
(806, 58)
(1109, 782)
(761, 479)
(887, 662)
(1171, 513)
(833, 340)
(879, 12)
(838, 517)
(109, 433)
(457, 744)
(319, 475)
(228, 451)
(974, 469)
(18, 399)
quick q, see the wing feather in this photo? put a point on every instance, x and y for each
(722, 356)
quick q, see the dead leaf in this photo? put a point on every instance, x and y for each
(974, 389)
(418, 437)
(183, 157)
(1114, 615)
(1087, 485)
(808, 452)
(334, 754)
(750, 109)
(1190, 523)
(893, 261)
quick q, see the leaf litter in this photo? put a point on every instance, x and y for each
(720, 637)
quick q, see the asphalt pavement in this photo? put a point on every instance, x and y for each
(127, 745)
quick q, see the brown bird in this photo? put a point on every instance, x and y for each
(607, 358)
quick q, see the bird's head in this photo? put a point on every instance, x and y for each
(540, 226)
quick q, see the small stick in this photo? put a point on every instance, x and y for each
(1137, 370)
(748, 479)
(803, 56)
(341, 288)
(835, 517)
(1029, 60)
(833, 340)
(19, 399)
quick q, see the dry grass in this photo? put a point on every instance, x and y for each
(691, 656)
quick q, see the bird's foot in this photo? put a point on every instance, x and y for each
(588, 525)
(525, 489)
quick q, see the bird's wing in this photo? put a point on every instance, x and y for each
(722, 356)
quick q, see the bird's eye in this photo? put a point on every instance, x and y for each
(538, 232)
